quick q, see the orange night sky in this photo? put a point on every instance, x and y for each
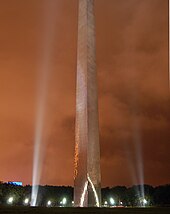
(134, 97)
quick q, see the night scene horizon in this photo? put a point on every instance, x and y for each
(38, 59)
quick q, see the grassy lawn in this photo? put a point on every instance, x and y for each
(43, 210)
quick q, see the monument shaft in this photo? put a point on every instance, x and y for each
(87, 176)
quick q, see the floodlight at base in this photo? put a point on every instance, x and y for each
(49, 203)
(64, 201)
(10, 200)
(105, 203)
(26, 201)
(112, 201)
(145, 201)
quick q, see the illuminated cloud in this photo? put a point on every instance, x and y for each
(132, 64)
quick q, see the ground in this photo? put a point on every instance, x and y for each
(44, 210)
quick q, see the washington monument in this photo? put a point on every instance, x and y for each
(87, 177)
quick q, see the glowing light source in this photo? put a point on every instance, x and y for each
(10, 200)
(34, 195)
(112, 201)
(26, 201)
(64, 201)
(145, 201)
(105, 203)
(49, 203)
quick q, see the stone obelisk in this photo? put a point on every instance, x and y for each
(87, 177)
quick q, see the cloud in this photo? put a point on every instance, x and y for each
(134, 103)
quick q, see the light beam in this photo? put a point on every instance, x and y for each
(43, 77)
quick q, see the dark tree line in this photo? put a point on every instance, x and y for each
(131, 196)
(134, 196)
